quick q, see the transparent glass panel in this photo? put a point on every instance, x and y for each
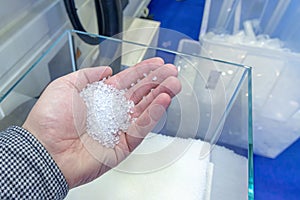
(200, 149)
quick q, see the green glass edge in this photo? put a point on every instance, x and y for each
(250, 139)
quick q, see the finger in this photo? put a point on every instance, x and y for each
(85, 76)
(125, 78)
(147, 120)
(156, 60)
(142, 88)
(170, 86)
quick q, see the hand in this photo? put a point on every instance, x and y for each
(58, 119)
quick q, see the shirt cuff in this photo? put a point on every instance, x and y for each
(33, 169)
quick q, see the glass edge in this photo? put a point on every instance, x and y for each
(158, 48)
(231, 103)
(250, 138)
(246, 77)
(5, 94)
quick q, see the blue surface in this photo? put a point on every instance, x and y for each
(184, 16)
(176, 23)
(274, 179)
(278, 178)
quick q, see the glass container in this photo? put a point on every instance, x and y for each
(200, 149)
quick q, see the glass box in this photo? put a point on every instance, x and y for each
(200, 149)
(261, 34)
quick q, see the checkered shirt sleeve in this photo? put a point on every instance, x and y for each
(27, 171)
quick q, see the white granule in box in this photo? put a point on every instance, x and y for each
(108, 112)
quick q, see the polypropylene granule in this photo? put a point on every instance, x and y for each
(108, 112)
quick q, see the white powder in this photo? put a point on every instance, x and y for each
(108, 112)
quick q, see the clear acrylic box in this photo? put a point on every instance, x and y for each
(261, 34)
(201, 148)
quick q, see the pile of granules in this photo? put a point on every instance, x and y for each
(108, 112)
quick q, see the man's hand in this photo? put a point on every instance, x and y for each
(58, 119)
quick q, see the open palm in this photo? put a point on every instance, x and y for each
(58, 119)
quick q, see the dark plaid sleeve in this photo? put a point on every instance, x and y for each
(27, 171)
